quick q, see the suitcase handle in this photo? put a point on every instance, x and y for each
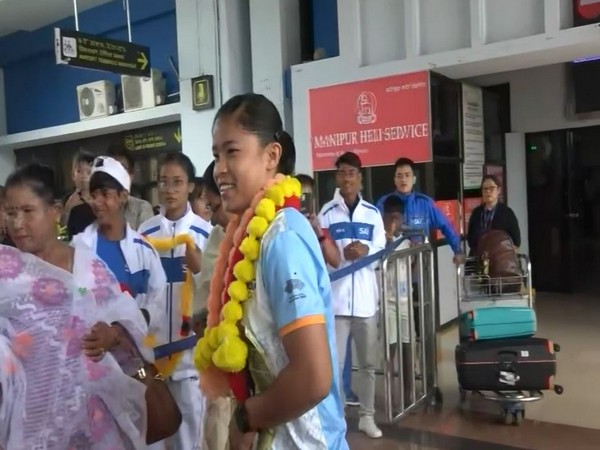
(507, 360)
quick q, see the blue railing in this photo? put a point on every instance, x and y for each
(165, 350)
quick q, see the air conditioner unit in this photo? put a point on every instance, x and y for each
(96, 99)
(143, 92)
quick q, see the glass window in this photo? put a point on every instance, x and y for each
(494, 136)
(382, 181)
(445, 110)
(325, 186)
(496, 121)
(326, 39)
(447, 180)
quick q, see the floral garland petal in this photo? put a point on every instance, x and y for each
(222, 354)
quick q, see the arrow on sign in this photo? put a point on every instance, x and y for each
(142, 60)
(177, 135)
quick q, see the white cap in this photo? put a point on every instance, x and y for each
(113, 168)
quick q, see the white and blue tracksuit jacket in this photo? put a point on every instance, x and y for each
(146, 277)
(356, 294)
(173, 262)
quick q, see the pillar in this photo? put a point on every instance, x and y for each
(212, 39)
(7, 156)
(275, 38)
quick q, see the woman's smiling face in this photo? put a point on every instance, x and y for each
(242, 164)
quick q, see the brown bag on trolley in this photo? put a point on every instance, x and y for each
(498, 259)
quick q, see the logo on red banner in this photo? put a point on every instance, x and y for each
(469, 204)
(380, 120)
(588, 9)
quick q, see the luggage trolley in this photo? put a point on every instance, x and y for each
(480, 291)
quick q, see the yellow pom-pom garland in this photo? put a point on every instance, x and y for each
(276, 194)
(257, 227)
(166, 366)
(244, 270)
(232, 311)
(238, 290)
(250, 248)
(222, 345)
(266, 209)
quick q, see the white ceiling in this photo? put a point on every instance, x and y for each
(29, 15)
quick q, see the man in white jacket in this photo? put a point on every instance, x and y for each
(357, 229)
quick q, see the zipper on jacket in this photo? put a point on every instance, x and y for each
(350, 214)
(170, 301)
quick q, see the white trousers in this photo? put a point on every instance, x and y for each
(192, 405)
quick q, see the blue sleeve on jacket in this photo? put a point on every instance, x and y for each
(379, 204)
(439, 221)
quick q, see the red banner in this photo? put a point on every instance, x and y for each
(452, 210)
(469, 204)
(588, 9)
(380, 120)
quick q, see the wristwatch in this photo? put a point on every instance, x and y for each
(241, 419)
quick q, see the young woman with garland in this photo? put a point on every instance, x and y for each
(270, 338)
(179, 236)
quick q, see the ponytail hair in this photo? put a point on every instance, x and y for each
(287, 163)
(256, 114)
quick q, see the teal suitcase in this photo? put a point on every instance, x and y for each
(497, 323)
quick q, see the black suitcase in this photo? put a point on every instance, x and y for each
(507, 365)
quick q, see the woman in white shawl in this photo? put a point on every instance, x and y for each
(64, 330)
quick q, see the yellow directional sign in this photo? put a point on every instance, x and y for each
(142, 60)
(92, 52)
(157, 138)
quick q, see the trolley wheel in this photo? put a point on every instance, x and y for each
(462, 405)
(439, 396)
(513, 417)
(556, 348)
(518, 417)
(434, 403)
(558, 389)
(463, 396)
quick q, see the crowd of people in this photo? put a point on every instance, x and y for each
(234, 257)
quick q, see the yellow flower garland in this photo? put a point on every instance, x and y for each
(222, 345)
(166, 366)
